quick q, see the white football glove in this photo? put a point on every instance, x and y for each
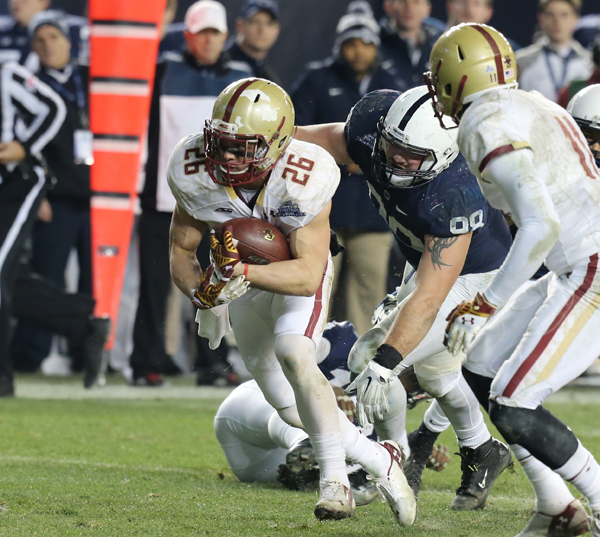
(465, 321)
(235, 288)
(216, 289)
(372, 386)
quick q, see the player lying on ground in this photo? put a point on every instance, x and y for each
(532, 162)
(260, 447)
(453, 241)
(246, 164)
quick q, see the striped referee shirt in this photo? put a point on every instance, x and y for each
(31, 112)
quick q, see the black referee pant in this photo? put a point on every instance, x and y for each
(149, 354)
(20, 199)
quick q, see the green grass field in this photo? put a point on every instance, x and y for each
(119, 461)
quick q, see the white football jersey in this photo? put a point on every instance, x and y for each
(501, 121)
(299, 187)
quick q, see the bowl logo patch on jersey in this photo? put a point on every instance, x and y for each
(287, 209)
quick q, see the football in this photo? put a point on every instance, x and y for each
(258, 242)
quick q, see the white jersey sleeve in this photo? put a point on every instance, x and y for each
(533, 162)
(490, 129)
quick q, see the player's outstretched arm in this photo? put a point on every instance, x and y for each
(184, 238)
(440, 266)
(330, 136)
(302, 275)
(533, 211)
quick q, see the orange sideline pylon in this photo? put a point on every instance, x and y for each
(124, 36)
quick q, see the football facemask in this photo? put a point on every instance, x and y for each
(256, 114)
(410, 129)
(233, 159)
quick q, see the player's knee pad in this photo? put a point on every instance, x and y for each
(546, 437)
(438, 387)
(294, 352)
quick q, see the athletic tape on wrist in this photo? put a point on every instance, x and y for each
(387, 356)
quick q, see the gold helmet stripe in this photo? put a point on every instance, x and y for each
(495, 50)
(234, 99)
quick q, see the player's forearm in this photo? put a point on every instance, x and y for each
(295, 277)
(185, 270)
(533, 211)
(412, 324)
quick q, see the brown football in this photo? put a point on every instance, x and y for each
(258, 242)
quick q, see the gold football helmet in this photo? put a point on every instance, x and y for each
(465, 61)
(252, 119)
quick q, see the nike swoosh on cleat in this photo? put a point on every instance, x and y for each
(482, 484)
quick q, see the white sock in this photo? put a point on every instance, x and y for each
(435, 419)
(552, 496)
(583, 472)
(284, 435)
(327, 452)
(393, 425)
(462, 409)
(374, 458)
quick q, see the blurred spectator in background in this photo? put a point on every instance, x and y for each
(556, 58)
(568, 92)
(186, 87)
(407, 39)
(15, 41)
(588, 28)
(479, 11)
(326, 94)
(25, 101)
(64, 216)
(171, 35)
(257, 30)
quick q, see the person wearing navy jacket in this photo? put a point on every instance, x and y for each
(326, 94)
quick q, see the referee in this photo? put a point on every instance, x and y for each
(31, 114)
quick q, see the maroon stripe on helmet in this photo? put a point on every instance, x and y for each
(459, 92)
(495, 153)
(495, 50)
(234, 99)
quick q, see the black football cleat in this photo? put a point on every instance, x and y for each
(301, 469)
(480, 469)
(421, 443)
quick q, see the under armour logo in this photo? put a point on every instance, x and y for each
(507, 60)
(466, 320)
(562, 522)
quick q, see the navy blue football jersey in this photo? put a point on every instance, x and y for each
(449, 205)
(335, 366)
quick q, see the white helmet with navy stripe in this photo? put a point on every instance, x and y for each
(585, 107)
(411, 125)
